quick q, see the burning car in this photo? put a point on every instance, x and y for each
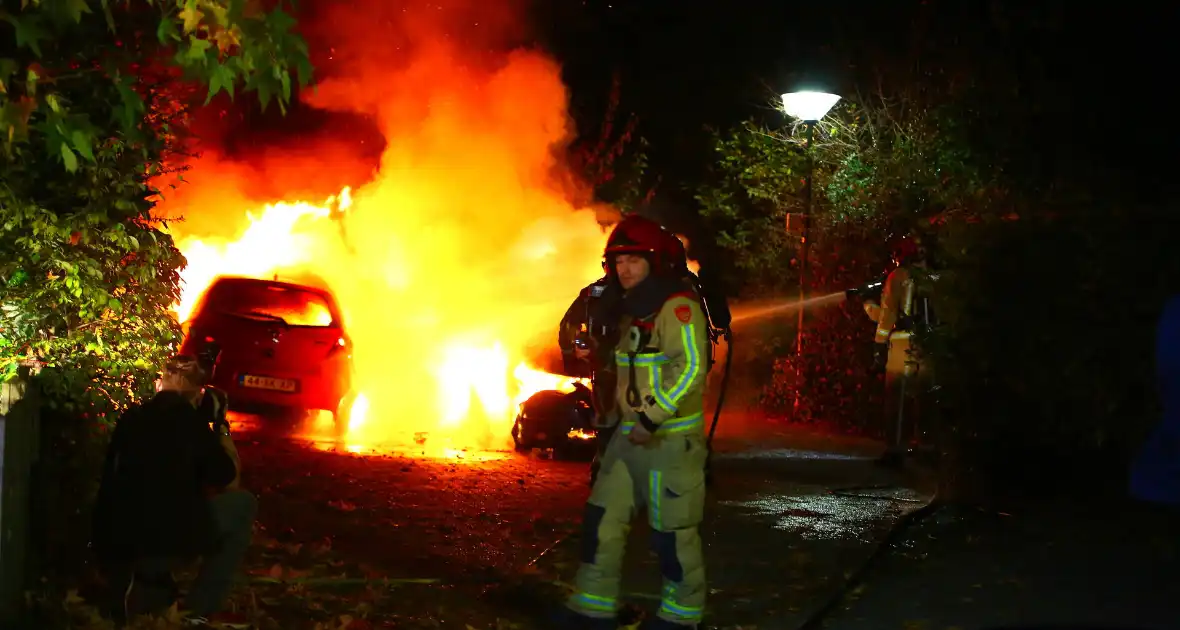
(554, 419)
(282, 345)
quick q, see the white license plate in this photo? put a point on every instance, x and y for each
(268, 382)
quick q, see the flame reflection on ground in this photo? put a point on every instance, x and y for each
(317, 432)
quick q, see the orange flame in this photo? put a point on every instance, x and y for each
(452, 263)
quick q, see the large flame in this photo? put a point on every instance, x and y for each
(459, 254)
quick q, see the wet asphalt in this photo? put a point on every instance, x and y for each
(784, 526)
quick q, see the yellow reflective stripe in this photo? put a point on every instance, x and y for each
(670, 400)
(672, 425)
(657, 389)
(655, 493)
(594, 602)
(683, 613)
(669, 607)
(655, 381)
(643, 358)
(680, 425)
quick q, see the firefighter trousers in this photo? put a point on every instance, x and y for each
(667, 476)
(906, 382)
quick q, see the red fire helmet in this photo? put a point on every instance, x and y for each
(639, 236)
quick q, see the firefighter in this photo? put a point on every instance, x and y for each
(586, 338)
(656, 457)
(580, 329)
(895, 317)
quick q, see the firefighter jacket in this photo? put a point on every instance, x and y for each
(897, 305)
(661, 366)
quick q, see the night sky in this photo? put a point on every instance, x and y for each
(1089, 77)
(1083, 87)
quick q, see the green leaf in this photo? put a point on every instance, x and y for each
(303, 67)
(166, 32)
(68, 158)
(132, 104)
(107, 15)
(221, 78)
(215, 84)
(76, 8)
(196, 50)
(279, 22)
(28, 32)
(7, 69)
(81, 142)
(264, 94)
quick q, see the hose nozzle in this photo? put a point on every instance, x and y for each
(868, 290)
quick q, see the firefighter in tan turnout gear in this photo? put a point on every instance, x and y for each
(895, 317)
(656, 456)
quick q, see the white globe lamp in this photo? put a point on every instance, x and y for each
(809, 106)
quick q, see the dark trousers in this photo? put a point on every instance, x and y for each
(147, 584)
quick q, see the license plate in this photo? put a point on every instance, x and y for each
(268, 382)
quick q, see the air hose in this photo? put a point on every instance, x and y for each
(726, 334)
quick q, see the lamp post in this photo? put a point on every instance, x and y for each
(810, 107)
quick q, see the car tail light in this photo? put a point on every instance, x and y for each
(342, 345)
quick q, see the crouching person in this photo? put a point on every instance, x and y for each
(169, 496)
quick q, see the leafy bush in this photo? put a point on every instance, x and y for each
(93, 106)
(874, 178)
(90, 107)
(1043, 355)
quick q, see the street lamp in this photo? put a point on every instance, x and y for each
(809, 107)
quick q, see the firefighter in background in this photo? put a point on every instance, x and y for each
(896, 316)
(587, 338)
(656, 457)
(580, 330)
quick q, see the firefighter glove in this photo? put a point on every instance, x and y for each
(880, 355)
(640, 434)
(652, 412)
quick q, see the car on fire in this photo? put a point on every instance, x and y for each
(283, 345)
(562, 421)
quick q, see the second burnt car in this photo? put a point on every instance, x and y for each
(562, 421)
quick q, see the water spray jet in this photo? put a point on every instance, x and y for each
(786, 305)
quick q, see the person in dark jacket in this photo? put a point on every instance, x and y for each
(169, 495)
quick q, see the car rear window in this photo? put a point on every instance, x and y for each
(296, 307)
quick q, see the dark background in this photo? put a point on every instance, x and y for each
(1079, 91)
